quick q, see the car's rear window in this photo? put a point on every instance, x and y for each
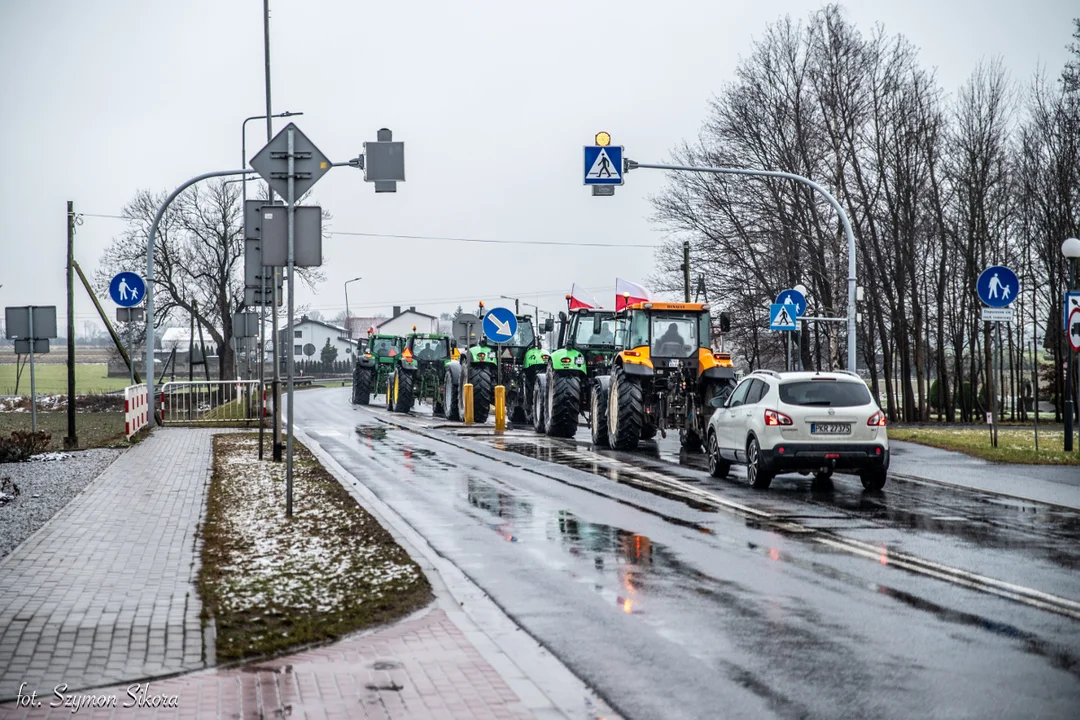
(824, 393)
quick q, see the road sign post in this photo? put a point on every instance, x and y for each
(997, 287)
(31, 327)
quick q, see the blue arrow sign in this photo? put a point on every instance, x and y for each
(781, 317)
(794, 298)
(500, 324)
(127, 289)
(998, 286)
(603, 165)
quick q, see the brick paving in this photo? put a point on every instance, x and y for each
(423, 667)
(105, 591)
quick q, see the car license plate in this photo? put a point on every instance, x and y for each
(673, 363)
(830, 428)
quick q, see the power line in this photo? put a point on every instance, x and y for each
(493, 242)
(445, 238)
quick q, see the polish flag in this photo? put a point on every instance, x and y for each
(581, 298)
(628, 293)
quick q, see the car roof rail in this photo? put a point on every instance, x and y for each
(766, 371)
(852, 373)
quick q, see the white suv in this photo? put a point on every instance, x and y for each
(799, 421)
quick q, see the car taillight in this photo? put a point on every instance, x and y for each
(773, 418)
(877, 419)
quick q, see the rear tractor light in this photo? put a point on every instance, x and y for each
(773, 418)
(877, 419)
(565, 361)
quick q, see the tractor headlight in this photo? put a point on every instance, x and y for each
(579, 360)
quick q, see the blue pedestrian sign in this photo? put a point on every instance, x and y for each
(500, 324)
(603, 165)
(127, 289)
(793, 298)
(781, 317)
(998, 286)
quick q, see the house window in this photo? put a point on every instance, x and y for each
(298, 334)
(298, 350)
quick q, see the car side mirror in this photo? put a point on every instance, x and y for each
(718, 401)
(597, 324)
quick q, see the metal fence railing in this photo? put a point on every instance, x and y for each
(211, 401)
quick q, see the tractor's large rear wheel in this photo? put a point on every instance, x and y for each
(598, 409)
(451, 401)
(361, 392)
(564, 404)
(626, 411)
(539, 422)
(483, 382)
(403, 392)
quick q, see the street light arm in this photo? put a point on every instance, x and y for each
(632, 165)
(150, 238)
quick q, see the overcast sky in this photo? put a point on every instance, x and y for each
(493, 100)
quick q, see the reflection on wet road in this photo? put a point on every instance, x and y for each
(674, 604)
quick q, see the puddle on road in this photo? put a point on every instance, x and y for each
(371, 432)
(600, 466)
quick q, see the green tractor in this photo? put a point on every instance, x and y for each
(517, 361)
(585, 345)
(374, 365)
(419, 373)
(522, 360)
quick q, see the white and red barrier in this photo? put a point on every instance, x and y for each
(136, 409)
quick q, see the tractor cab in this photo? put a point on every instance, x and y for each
(428, 348)
(523, 340)
(590, 332)
(667, 338)
(384, 346)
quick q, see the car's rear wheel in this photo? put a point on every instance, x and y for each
(718, 467)
(873, 479)
(760, 477)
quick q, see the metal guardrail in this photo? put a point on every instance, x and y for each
(211, 401)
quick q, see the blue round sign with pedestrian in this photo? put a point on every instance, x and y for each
(500, 324)
(794, 298)
(998, 286)
(127, 289)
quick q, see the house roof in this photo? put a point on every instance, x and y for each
(403, 313)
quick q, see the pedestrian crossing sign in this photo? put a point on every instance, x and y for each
(781, 317)
(603, 165)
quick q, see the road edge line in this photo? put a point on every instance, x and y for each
(487, 627)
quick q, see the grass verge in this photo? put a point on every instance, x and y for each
(1014, 446)
(272, 583)
(52, 378)
(99, 429)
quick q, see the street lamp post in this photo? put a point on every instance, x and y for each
(844, 221)
(347, 328)
(517, 303)
(1071, 250)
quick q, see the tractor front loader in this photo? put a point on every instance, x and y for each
(664, 375)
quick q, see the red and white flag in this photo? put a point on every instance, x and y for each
(582, 298)
(628, 293)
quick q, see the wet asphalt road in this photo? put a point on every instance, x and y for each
(676, 595)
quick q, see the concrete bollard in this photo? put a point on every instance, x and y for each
(500, 409)
(467, 410)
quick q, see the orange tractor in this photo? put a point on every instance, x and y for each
(664, 376)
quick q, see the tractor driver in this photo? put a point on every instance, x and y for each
(671, 336)
(428, 352)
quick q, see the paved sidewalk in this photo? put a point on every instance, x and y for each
(423, 667)
(1054, 484)
(105, 590)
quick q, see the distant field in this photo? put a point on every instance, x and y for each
(58, 354)
(89, 378)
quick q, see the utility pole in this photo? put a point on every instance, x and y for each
(686, 270)
(276, 384)
(71, 442)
